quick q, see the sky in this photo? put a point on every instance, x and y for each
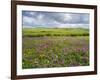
(34, 19)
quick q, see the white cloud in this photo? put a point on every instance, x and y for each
(85, 19)
(40, 16)
(40, 19)
(67, 17)
(28, 20)
(32, 13)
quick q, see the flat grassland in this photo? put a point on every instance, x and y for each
(55, 47)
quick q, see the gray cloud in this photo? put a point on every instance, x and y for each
(37, 18)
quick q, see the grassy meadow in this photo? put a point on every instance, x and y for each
(55, 47)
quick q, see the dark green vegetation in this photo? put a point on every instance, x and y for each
(44, 47)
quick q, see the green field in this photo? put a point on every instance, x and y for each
(37, 32)
(55, 47)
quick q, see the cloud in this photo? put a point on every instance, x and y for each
(54, 19)
(67, 17)
(31, 13)
(28, 21)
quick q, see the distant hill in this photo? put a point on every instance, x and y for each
(56, 27)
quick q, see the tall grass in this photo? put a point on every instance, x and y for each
(43, 52)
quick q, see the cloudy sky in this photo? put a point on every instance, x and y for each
(54, 19)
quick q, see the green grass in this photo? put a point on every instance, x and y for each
(64, 50)
(38, 32)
